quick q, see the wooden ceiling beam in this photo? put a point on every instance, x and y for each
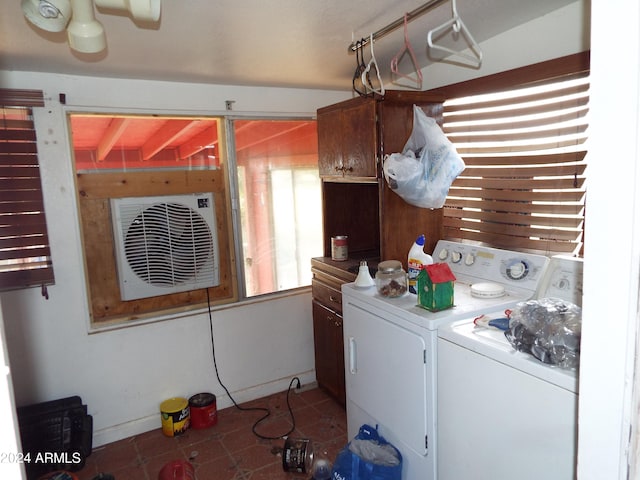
(199, 142)
(116, 127)
(267, 133)
(164, 136)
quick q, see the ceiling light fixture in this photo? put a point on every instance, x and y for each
(146, 10)
(49, 15)
(84, 32)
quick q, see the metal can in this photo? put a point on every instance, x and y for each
(339, 248)
(297, 455)
(202, 410)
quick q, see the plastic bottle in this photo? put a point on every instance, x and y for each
(416, 260)
(321, 469)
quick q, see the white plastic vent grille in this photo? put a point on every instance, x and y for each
(165, 244)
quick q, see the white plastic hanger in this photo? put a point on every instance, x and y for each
(415, 78)
(372, 65)
(457, 25)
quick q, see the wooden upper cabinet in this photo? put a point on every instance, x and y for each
(353, 138)
(347, 140)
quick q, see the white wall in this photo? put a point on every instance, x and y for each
(124, 374)
(612, 248)
(559, 33)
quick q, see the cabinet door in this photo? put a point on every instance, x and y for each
(330, 143)
(329, 351)
(359, 145)
(347, 140)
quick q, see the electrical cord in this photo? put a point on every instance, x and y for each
(267, 412)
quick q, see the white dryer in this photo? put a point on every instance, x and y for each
(390, 346)
(502, 413)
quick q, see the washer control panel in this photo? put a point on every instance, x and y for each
(473, 263)
(563, 279)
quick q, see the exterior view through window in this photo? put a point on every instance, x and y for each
(280, 202)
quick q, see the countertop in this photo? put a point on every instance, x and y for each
(346, 270)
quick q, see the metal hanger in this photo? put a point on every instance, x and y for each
(415, 78)
(457, 26)
(358, 86)
(372, 66)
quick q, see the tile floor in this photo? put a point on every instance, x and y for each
(229, 450)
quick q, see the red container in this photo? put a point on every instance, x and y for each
(204, 413)
(177, 470)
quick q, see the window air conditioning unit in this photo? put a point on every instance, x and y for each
(165, 244)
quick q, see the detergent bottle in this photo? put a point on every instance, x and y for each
(416, 260)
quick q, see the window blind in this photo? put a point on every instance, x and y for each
(524, 183)
(25, 257)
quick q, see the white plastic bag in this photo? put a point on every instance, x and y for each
(428, 164)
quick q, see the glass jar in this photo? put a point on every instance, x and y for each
(391, 279)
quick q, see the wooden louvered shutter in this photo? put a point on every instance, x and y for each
(524, 183)
(25, 257)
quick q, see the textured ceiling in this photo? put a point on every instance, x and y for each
(293, 43)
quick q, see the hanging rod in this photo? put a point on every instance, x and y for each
(394, 25)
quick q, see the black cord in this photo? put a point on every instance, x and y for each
(247, 409)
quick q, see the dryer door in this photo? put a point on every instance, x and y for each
(385, 375)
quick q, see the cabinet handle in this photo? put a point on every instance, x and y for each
(343, 169)
(333, 299)
(338, 323)
(352, 356)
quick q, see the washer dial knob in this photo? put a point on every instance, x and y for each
(456, 257)
(443, 254)
(517, 270)
(469, 260)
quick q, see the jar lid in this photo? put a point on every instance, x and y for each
(390, 266)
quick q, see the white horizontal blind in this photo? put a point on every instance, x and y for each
(524, 185)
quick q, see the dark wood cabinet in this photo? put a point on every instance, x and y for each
(347, 141)
(329, 356)
(357, 134)
(353, 138)
(328, 276)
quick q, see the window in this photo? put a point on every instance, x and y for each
(273, 165)
(123, 156)
(524, 183)
(280, 202)
(25, 256)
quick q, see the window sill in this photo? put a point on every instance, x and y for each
(118, 324)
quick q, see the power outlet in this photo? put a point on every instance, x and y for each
(306, 387)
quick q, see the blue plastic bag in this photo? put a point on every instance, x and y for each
(352, 466)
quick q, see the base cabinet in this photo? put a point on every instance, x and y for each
(328, 277)
(329, 353)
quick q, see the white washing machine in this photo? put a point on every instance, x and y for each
(503, 414)
(391, 347)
